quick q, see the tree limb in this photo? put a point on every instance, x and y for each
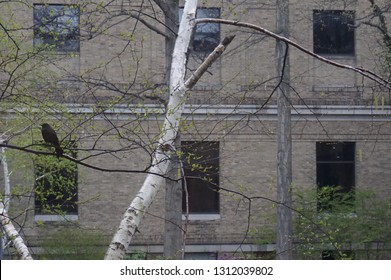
(152, 184)
(362, 71)
(13, 234)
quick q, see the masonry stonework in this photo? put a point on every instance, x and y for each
(231, 104)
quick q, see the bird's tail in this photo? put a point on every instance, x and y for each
(59, 151)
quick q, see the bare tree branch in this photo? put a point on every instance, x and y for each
(362, 71)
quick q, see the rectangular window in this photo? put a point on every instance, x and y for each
(335, 173)
(333, 32)
(56, 185)
(207, 35)
(56, 27)
(201, 178)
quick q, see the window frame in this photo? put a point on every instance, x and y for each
(59, 41)
(39, 170)
(344, 155)
(195, 178)
(340, 24)
(198, 30)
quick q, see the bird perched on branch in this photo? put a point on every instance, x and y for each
(50, 137)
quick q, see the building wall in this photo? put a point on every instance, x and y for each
(244, 77)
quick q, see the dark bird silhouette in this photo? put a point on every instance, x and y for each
(50, 137)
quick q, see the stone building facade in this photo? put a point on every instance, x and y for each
(110, 73)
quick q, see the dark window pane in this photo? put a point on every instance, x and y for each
(203, 196)
(56, 185)
(207, 35)
(201, 167)
(335, 151)
(333, 32)
(335, 174)
(56, 27)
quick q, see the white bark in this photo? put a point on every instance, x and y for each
(7, 194)
(7, 187)
(161, 158)
(153, 183)
(13, 234)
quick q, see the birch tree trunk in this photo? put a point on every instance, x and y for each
(166, 146)
(154, 182)
(7, 186)
(13, 234)
(7, 194)
(284, 138)
(7, 227)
